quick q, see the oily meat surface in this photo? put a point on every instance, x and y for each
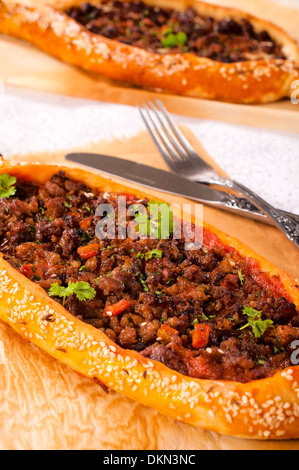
(48, 234)
(163, 30)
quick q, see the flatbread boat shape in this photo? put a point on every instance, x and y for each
(205, 336)
(188, 48)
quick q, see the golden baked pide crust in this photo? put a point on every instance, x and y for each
(253, 81)
(263, 409)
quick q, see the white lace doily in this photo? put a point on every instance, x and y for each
(266, 161)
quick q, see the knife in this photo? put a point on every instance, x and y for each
(171, 183)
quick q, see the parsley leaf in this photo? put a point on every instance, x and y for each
(6, 185)
(258, 325)
(82, 290)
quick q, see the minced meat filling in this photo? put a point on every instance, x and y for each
(164, 30)
(182, 308)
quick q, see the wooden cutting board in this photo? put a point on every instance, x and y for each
(37, 70)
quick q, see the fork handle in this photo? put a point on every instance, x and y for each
(236, 202)
(289, 225)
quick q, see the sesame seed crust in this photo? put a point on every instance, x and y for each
(263, 409)
(253, 81)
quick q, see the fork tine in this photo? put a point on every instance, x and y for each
(151, 128)
(182, 139)
(174, 142)
(162, 137)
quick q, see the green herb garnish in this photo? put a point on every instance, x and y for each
(153, 254)
(91, 211)
(262, 362)
(241, 277)
(145, 286)
(86, 237)
(278, 349)
(203, 316)
(258, 325)
(82, 290)
(6, 185)
(171, 39)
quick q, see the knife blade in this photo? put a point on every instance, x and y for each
(167, 182)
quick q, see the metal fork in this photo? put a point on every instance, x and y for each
(182, 159)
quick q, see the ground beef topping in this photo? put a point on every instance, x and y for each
(164, 30)
(199, 312)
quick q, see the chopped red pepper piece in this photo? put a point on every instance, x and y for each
(27, 270)
(86, 223)
(88, 251)
(117, 308)
(166, 332)
(200, 336)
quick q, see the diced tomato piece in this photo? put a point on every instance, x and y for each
(38, 271)
(75, 213)
(117, 308)
(166, 332)
(86, 223)
(200, 336)
(88, 251)
(27, 270)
